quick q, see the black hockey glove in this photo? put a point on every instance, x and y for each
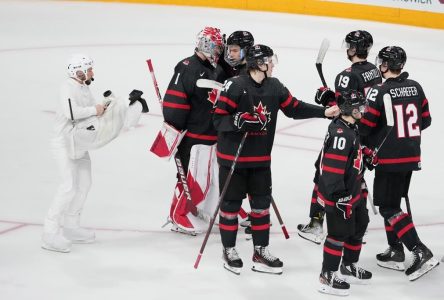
(343, 204)
(245, 121)
(325, 97)
(370, 158)
(134, 96)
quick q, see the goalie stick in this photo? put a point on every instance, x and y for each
(322, 51)
(197, 212)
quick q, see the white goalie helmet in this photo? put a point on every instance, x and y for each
(79, 62)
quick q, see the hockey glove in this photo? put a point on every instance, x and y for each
(370, 158)
(325, 97)
(245, 121)
(343, 204)
(134, 96)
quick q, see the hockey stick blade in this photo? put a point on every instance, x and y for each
(322, 51)
(209, 84)
(388, 110)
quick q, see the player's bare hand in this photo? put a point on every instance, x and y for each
(100, 109)
(332, 111)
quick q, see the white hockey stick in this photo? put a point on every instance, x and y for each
(322, 51)
(209, 84)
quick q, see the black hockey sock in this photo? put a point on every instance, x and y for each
(392, 238)
(316, 209)
(228, 226)
(332, 254)
(260, 226)
(405, 230)
(352, 250)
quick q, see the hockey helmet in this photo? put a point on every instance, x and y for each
(244, 40)
(360, 40)
(259, 55)
(351, 100)
(79, 62)
(394, 56)
(210, 43)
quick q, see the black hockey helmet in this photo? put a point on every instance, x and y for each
(243, 39)
(360, 40)
(259, 55)
(394, 56)
(350, 100)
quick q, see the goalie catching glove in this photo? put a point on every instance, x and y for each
(134, 96)
(245, 121)
(325, 97)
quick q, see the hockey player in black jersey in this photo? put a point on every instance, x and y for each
(339, 190)
(398, 157)
(360, 76)
(250, 103)
(187, 107)
(235, 53)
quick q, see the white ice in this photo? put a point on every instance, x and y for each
(133, 257)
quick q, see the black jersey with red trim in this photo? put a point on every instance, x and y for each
(340, 163)
(243, 94)
(401, 150)
(229, 71)
(188, 107)
(360, 76)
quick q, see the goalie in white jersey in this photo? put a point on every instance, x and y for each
(81, 124)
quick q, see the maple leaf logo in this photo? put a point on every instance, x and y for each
(264, 115)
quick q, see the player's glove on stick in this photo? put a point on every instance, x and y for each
(325, 97)
(370, 158)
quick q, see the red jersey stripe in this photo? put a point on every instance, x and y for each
(402, 160)
(335, 156)
(333, 170)
(287, 101)
(244, 158)
(221, 111)
(424, 102)
(374, 111)
(201, 136)
(228, 101)
(368, 123)
(175, 105)
(176, 93)
(425, 114)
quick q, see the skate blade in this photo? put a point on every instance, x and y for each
(232, 269)
(329, 290)
(353, 280)
(426, 267)
(180, 230)
(397, 266)
(89, 241)
(47, 247)
(261, 268)
(311, 237)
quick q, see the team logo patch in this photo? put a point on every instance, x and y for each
(264, 115)
(186, 62)
(340, 130)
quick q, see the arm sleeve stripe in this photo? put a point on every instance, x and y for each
(374, 111)
(228, 101)
(424, 102)
(287, 101)
(176, 93)
(335, 156)
(368, 123)
(175, 105)
(333, 170)
(221, 111)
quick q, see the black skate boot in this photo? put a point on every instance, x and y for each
(232, 261)
(265, 262)
(330, 283)
(312, 231)
(351, 273)
(392, 258)
(422, 262)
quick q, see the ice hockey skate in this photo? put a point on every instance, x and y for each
(79, 235)
(353, 274)
(55, 242)
(264, 262)
(312, 231)
(176, 228)
(392, 258)
(232, 261)
(331, 284)
(423, 262)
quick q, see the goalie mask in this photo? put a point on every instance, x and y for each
(359, 41)
(210, 43)
(351, 102)
(237, 46)
(78, 67)
(393, 57)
